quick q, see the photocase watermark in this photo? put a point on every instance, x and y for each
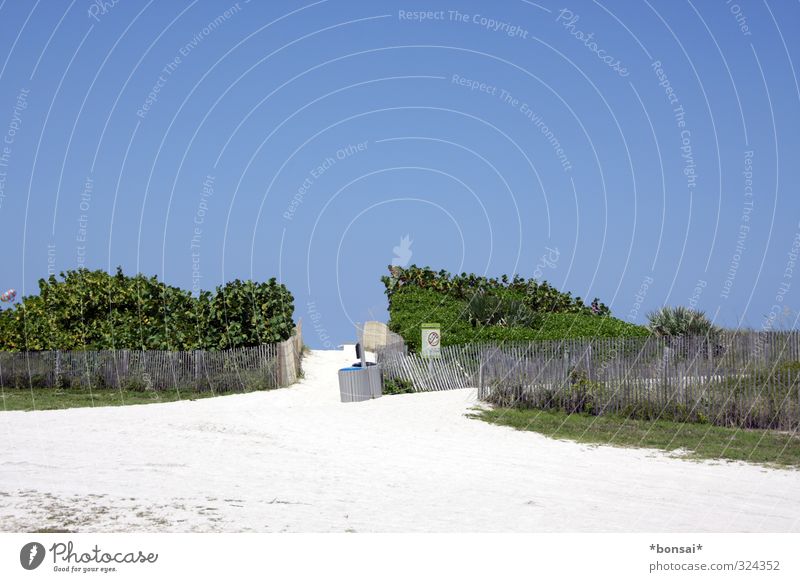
(82, 236)
(639, 297)
(699, 287)
(741, 19)
(524, 108)
(679, 114)
(206, 193)
(51, 259)
(316, 322)
(568, 20)
(65, 558)
(318, 171)
(486, 22)
(744, 226)
(785, 284)
(99, 8)
(9, 137)
(402, 252)
(420, 15)
(31, 555)
(184, 51)
(540, 124)
(779, 312)
(473, 85)
(548, 260)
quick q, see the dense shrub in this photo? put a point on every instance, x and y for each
(484, 308)
(245, 313)
(679, 322)
(410, 306)
(95, 310)
(538, 296)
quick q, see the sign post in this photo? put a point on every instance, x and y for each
(431, 340)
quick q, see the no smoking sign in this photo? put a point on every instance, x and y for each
(431, 340)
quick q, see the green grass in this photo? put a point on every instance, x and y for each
(411, 306)
(697, 441)
(57, 398)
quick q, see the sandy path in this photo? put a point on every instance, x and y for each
(298, 460)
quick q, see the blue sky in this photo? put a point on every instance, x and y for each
(650, 147)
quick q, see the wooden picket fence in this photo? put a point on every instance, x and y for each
(456, 368)
(240, 369)
(747, 379)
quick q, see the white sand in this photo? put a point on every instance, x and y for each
(298, 460)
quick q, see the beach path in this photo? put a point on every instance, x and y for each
(297, 459)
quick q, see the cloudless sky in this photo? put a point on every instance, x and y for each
(648, 149)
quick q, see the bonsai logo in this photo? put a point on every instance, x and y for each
(31, 555)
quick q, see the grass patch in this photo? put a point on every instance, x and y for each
(698, 441)
(61, 398)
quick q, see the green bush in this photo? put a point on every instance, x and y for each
(397, 386)
(95, 310)
(680, 321)
(484, 308)
(244, 313)
(135, 384)
(540, 297)
(411, 306)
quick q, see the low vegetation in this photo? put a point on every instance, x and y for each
(760, 399)
(695, 441)
(397, 386)
(62, 398)
(504, 314)
(95, 310)
(539, 296)
(680, 322)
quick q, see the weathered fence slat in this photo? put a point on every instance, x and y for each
(747, 379)
(234, 369)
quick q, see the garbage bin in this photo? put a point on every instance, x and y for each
(357, 383)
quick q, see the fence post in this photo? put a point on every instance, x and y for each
(58, 369)
(480, 377)
(288, 359)
(279, 349)
(196, 361)
(710, 346)
(589, 361)
(665, 371)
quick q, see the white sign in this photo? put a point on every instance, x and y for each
(431, 340)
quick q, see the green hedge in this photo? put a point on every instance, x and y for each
(410, 305)
(95, 310)
(539, 296)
